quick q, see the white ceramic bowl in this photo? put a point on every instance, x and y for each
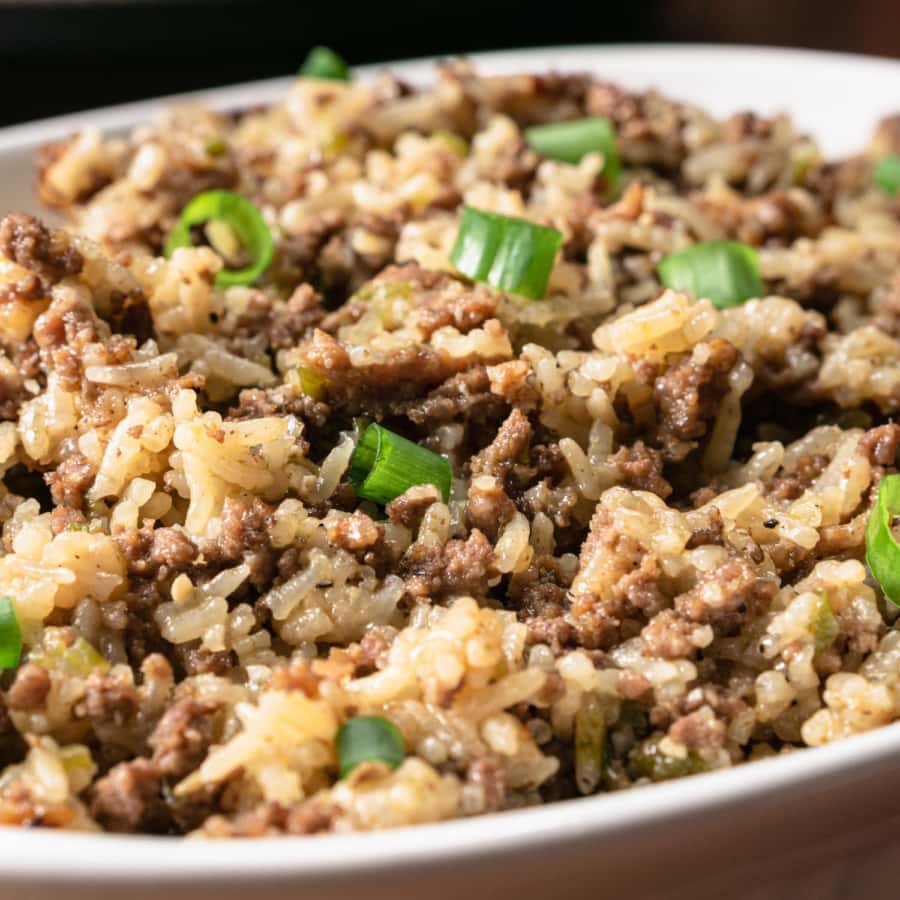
(814, 825)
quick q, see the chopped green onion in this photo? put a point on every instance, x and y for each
(647, 760)
(457, 145)
(882, 550)
(385, 465)
(590, 745)
(825, 626)
(368, 739)
(324, 63)
(241, 217)
(887, 174)
(216, 146)
(725, 272)
(571, 141)
(77, 659)
(10, 635)
(510, 254)
(312, 382)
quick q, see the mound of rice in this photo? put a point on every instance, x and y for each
(651, 563)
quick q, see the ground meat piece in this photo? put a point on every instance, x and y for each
(22, 289)
(773, 218)
(457, 567)
(363, 537)
(668, 636)
(156, 552)
(539, 591)
(24, 240)
(488, 775)
(641, 468)
(369, 653)
(688, 395)
(140, 631)
(385, 385)
(615, 577)
(30, 688)
(183, 736)
(789, 487)
(466, 396)
(843, 541)
(464, 311)
(776, 216)
(297, 676)
(409, 508)
(296, 256)
(343, 267)
(699, 730)
(508, 446)
(64, 517)
(109, 698)
(13, 392)
(513, 164)
(554, 631)
(879, 445)
(244, 537)
(780, 489)
(127, 798)
(488, 508)
(200, 661)
(727, 589)
(283, 400)
(648, 126)
(356, 532)
(71, 480)
(63, 332)
(293, 321)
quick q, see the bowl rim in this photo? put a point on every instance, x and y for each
(108, 858)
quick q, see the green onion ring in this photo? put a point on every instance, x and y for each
(510, 254)
(724, 272)
(10, 635)
(243, 217)
(571, 141)
(368, 739)
(882, 550)
(886, 174)
(385, 465)
(324, 63)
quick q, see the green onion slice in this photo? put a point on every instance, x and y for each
(324, 63)
(312, 382)
(887, 174)
(368, 739)
(10, 635)
(509, 254)
(882, 550)
(242, 217)
(385, 465)
(725, 272)
(571, 141)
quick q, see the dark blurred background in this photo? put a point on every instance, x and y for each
(69, 55)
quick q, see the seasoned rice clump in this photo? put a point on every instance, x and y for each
(651, 563)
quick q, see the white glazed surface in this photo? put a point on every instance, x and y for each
(816, 825)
